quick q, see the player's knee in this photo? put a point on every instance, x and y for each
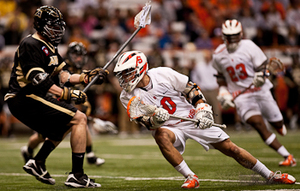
(162, 137)
(231, 149)
(79, 118)
(256, 121)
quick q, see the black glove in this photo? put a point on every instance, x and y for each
(69, 94)
(88, 75)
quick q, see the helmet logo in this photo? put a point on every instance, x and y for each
(138, 60)
(54, 14)
(38, 13)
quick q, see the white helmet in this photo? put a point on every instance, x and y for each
(232, 34)
(130, 69)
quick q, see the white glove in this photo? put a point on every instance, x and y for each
(159, 118)
(225, 98)
(259, 79)
(204, 115)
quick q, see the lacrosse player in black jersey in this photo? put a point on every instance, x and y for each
(37, 71)
(76, 58)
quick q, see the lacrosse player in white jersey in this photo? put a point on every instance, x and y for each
(172, 93)
(240, 63)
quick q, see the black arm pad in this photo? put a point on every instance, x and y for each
(197, 98)
(42, 82)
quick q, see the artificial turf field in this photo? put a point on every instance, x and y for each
(136, 164)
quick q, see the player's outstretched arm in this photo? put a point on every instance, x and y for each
(204, 114)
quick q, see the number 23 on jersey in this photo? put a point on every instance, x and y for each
(237, 73)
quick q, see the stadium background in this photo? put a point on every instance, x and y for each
(179, 35)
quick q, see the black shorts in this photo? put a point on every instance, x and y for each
(45, 115)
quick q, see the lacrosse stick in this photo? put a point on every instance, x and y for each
(274, 67)
(136, 109)
(143, 18)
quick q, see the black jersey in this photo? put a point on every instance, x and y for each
(34, 55)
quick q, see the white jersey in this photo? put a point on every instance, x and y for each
(167, 85)
(239, 67)
(166, 92)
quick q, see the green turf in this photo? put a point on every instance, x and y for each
(128, 160)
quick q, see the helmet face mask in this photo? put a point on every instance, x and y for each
(130, 69)
(48, 21)
(126, 77)
(232, 34)
(77, 54)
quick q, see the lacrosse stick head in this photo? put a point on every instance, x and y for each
(130, 69)
(275, 66)
(143, 18)
(136, 108)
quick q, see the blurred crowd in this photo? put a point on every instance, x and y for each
(177, 27)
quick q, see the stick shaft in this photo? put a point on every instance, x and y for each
(194, 120)
(122, 47)
(115, 56)
(246, 89)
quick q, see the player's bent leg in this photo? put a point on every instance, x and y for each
(258, 123)
(271, 140)
(164, 139)
(37, 167)
(34, 141)
(230, 149)
(244, 158)
(268, 137)
(78, 134)
(77, 178)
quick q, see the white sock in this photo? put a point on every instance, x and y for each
(183, 169)
(261, 169)
(283, 152)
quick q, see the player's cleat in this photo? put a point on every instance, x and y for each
(92, 159)
(82, 182)
(191, 182)
(25, 154)
(289, 161)
(282, 131)
(279, 178)
(39, 171)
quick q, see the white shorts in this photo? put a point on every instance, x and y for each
(258, 103)
(186, 130)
